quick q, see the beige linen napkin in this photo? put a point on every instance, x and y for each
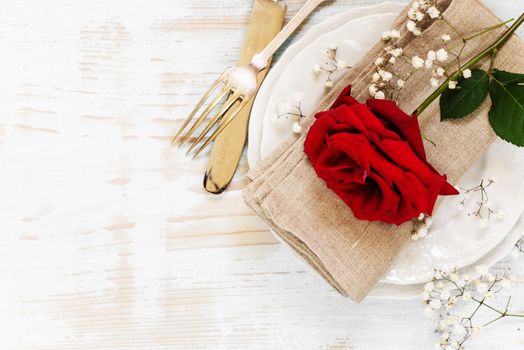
(352, 255)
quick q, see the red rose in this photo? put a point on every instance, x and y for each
(372, 156)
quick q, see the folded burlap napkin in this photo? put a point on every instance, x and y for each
(285, 191)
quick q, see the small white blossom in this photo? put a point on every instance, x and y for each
(490, 295)
(385, 75)
(442, 55)
(379, 61)
(492, 179)
(435, 82)
(430, 286)
(297, 128)
(394, 34)
(411, 26)
(380, 95)
(500, 215)
(396, 52)
(417, 62)
(316, 68)
(452, 85)
(452, 301)
(481, 287)
(400, 83)
(446, 37)
(432, 55)
(453, 277)
(445, 294)
(392, 60)
(373, 90)
(466, 296)
(417, 32)
(440, 71)
(466, 73)
(433, 12)
(419, 16)
(376, 77)
(329, 83)
(428, 64)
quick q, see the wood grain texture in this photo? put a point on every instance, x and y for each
(109, 240)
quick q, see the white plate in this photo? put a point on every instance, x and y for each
(455, 240)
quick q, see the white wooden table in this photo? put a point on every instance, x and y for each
(108, 240)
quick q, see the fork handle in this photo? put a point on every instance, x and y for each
(261, 59)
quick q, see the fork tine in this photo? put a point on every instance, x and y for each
(199, 105)
(203, 116)
(231, 100)
(222, 126)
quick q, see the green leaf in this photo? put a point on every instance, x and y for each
(507, 111)
(468, 96)
(507, 77)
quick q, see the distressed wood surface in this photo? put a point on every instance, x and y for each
(109, 240)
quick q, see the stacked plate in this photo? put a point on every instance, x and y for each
(456, 239)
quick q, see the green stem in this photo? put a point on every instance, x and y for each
(495, 46)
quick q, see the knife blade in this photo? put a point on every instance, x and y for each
(265, 23)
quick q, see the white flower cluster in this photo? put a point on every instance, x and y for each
(293, 111)
(332, 65)
(485, 209)
(451, 293)
(385, 81)
(418, 11)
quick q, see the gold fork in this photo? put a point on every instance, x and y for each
(239, 84)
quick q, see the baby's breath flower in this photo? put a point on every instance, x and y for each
(434, 82)
(452, 85)
(432, 55)
(453, 277)
(394, 34)
(316, 68)
(380, 95)
(490, 295)
(329, 83)
(376, 77)
(396, 52)
(411, 26)
(419, 16)
(446, 37)
(373, 89)
(430, 286)
(400, 83)
(417, 32)
(481, 287)
(445, 294)
(417, 62)
(297, 128)
(379, 61)
(440, 71)
(392, 59)
(442, 55)
(466, 296)
(433, 12)
(385, 75)
(428, 64)
(466, 73)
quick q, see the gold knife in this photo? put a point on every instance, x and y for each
(265, 23)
